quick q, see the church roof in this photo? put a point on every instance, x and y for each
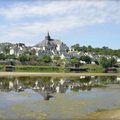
(49, 41)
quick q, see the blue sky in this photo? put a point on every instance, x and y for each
(95, 23)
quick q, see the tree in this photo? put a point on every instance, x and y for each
(58, 61)
(32, 52)
(89, 48)
(10, 56)
(74, 60)
(24, 58)
(104, 62)
(76, 47)
(6, 49)
(2, 56)
(102, 51)
(46, 59)
(112, 61)
(87, 59)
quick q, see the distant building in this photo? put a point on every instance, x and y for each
(50, 46)
(17, 49)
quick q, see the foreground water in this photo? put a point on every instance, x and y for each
(57, 98)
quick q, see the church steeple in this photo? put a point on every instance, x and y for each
(47, 37)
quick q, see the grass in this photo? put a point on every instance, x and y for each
(28, 68)
(1, 67)
(38, 69)
(93, 68)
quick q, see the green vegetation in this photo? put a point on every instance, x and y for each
(104, 62)
(87, 59)
(93, 68)
(1, 67)
(28, 61)
(2, 56)
(38, 69)
(46, 59)
(27, 68)
(101, 51)
(74, 60)
(24, 58)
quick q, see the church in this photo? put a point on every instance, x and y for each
(51, 46)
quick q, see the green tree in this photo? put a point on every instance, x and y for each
(10, 56)
(102, 51)
(2, 56)
(46, 59)
(24, 58)
(112, 61)
(87, 59)
(6, 49)
(76, 47)
(74, 60)
(104, 62)
(90, 49)
(57, 60)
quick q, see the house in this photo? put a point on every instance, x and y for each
(17, 49)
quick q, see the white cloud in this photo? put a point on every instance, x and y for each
(22, 10)
(35, 17)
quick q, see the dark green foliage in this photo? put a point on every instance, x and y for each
(2, 56)
(58, 61)
(112, 61)
(56, 57)
(104, 62)
(87, 59)
(24, 58)
(6, 50)
(74, 60)
(10, 57)
(102, 51)
(46, 59)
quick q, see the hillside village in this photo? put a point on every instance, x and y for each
(57, 50)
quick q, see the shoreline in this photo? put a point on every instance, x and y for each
(40, 74)
(108, 114)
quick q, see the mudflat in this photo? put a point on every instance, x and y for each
(56, 74)
(113, 114)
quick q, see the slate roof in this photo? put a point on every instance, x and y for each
(50, 42)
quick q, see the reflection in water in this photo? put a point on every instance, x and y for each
(51, 98)
(46, 86)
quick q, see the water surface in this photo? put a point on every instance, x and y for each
(52, 98)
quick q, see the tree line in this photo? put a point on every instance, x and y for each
(101, 51)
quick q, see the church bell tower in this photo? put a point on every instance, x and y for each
(47, 37)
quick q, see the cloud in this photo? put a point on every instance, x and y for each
(24, 10)
(25, 19)
(60, 9)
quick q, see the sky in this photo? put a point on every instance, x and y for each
(87, 22)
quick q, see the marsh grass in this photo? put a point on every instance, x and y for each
(38, 69)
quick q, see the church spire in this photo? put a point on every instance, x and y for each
(48, 36)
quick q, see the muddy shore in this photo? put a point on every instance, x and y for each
(56, 74)
(113, 114)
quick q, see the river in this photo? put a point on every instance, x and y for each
(37, 98)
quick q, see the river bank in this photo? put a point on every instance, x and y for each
(56, 74)
(113, 114)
